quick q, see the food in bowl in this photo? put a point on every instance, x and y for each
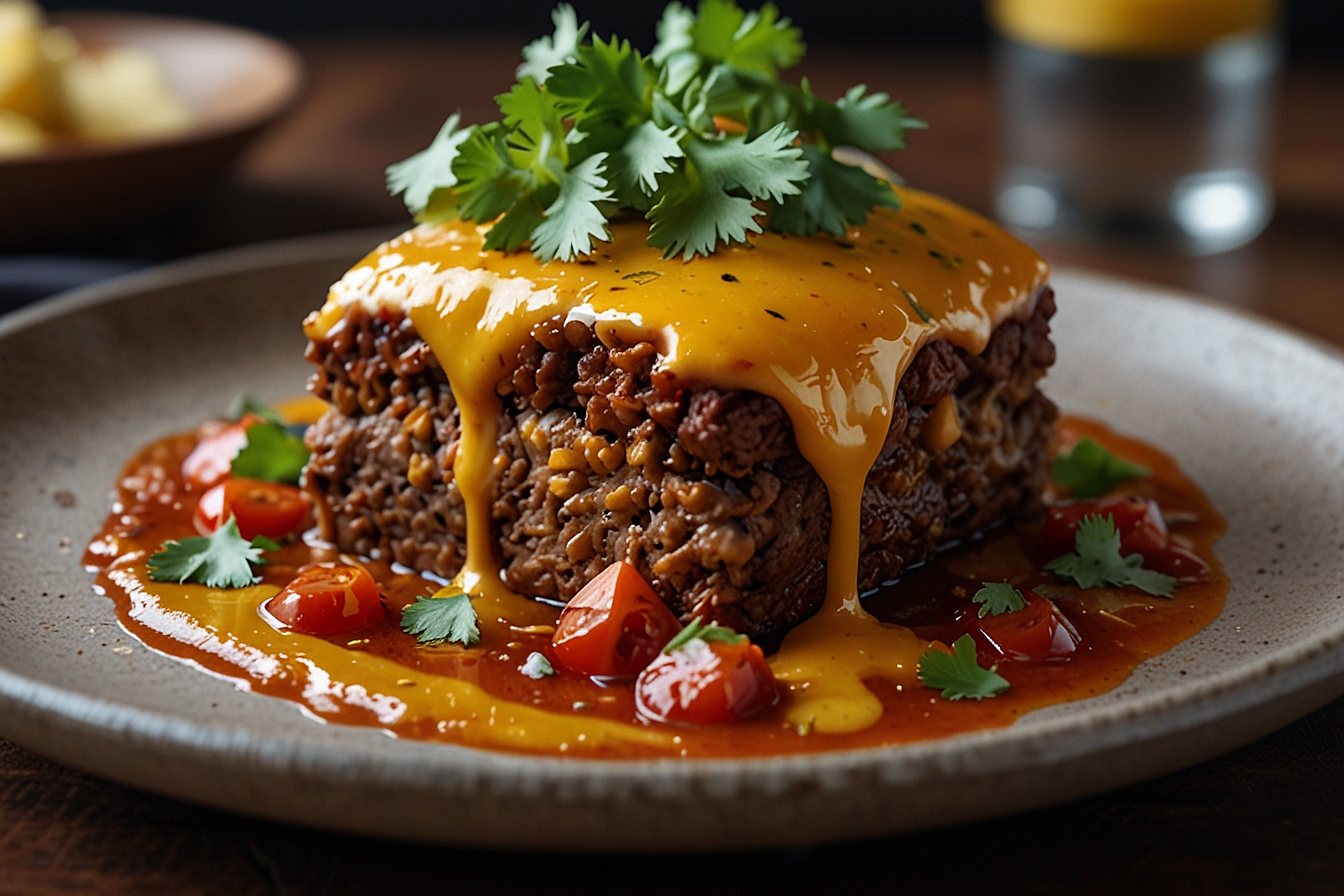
(54, 90)
(607, 467)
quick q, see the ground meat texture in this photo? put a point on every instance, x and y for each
(603, 457)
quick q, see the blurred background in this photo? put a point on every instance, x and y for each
(1313, 26)
(380, 78)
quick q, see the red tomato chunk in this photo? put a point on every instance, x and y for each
(212, 458)
(261, 508)
(328, 600)
(1038, 632)
(614, 627)
(1142, 531)
(706, 683)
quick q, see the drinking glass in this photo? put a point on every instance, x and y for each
(1139, 121)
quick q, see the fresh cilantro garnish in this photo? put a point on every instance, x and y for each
(545, 53)
(701, 137)
(696, 629)
(536, 666)
(1090, 471)
(998, 597)
(1096, 561)
(272, 453)
(223, 559)
(958, 675)
(711, 200)
(244, 404)
(444, 617)
(431, 169)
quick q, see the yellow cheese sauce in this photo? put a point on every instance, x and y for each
(824, 326)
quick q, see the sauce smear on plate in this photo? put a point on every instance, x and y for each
(480, 696)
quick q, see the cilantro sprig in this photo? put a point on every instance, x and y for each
(1088, 470)
(700, 137)
(223, 559)
(1096, 561)
(958, 674)
(998, 597)
(448, 617)
(697, 630)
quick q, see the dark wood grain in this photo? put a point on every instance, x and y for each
(1268, 818)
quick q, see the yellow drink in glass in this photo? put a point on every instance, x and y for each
(1139, 121)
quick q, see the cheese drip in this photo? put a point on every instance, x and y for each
(825, 326)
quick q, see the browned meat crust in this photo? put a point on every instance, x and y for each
(601, 457)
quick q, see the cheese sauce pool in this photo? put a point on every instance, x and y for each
(478, 696)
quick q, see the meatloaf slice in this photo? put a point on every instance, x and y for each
(704, 491)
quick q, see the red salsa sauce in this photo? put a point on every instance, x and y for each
(1117, 628)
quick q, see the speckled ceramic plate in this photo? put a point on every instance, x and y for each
(1254, 413)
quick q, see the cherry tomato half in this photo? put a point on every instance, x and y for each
(614, 627)
(261, 508)
(328, 600)
(706, 683)
(1142, 531)
(212, 458)
(1036, 633)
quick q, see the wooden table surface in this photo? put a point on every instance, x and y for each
(1268, 818)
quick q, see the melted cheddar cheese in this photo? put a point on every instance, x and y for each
(825, 326)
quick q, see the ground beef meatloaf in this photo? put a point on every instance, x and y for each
(600, 459)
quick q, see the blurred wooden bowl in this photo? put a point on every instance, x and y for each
(235, 81)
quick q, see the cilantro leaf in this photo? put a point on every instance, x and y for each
(1090, 471)
(998, 597)
(697, 630)
(765, 42)
(835, 197)
(721, 32)
(958, 675)
(1096, 561)
(575, 217)
(429, 170)
(444, 617)
(648, 151)
(488, 183)
(222, 559)
(545, 53)
(869, 121)
(607, 80)
(536, 666)
(272, 453)
(517, 225)
(702, 205)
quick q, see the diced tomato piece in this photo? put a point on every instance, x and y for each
(1142, 531)
(706, 683)
(1036, 633)
(614, 627)
(212, 458)
(1138, 521)
(1178, 560)
(271, 509)
(328, 600)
